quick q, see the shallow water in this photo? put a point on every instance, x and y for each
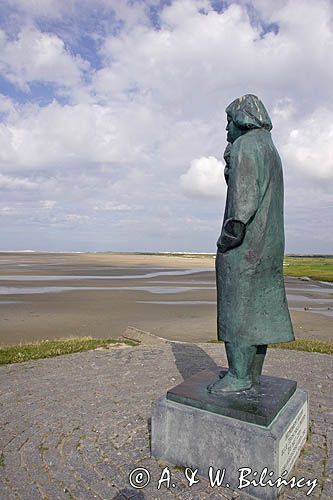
(187, 282)
(3, 302)
(304, 298)
(56, 277)
(56, 289)
(178, 302)
(311, 288)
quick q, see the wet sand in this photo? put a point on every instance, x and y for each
(48, 296)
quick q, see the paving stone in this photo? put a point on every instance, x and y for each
(76, 426)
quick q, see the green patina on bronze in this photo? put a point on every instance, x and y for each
(259, 405)
(251, 299)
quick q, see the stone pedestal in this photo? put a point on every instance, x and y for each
(194, 432)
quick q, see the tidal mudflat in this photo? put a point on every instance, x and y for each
(47, 296)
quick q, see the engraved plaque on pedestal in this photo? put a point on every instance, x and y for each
(293, 440)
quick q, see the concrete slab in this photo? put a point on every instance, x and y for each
(242, 452)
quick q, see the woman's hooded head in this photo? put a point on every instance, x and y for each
(248, 112)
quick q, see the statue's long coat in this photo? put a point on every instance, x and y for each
(252, 306)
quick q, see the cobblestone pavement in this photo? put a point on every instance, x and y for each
(76, 425)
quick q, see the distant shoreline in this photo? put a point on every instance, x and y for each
(101, 294)
(164, 253)
(315, 267)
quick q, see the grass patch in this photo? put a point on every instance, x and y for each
(299, 345)
(179, 468)
(42, 448)
(307, 346)
(52, 348)
(316, 268)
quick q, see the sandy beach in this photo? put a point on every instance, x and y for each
(48, 296)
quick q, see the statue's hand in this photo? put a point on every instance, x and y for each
(232, 235)
(219, 243)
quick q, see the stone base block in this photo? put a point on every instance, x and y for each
(243, 452)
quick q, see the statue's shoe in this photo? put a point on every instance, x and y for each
(230, 383)
(255, 377)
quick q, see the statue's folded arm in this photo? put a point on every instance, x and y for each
(232, 235)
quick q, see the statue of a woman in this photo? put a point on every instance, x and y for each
(252, 310)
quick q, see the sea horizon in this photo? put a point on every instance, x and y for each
(144, 252)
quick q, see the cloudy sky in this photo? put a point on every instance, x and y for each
(112, 123)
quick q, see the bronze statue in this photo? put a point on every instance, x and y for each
(252, 309)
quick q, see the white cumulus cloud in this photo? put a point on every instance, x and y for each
(36, 56)
(149, 104)
(308, 148)
(304, 140)
(204, 178)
